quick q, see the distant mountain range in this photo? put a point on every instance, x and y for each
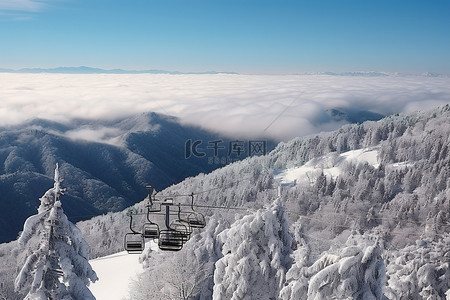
(353, 116)
(374, 74)
(90, 70)
(357, 74)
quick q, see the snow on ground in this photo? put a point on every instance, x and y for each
(330, 164)
(115, 273)
(369, 155)
(402, 165)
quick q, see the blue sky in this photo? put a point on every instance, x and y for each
(246, 36)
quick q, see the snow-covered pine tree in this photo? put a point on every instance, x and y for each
(420, 271)
(256, 256)
(296, 284)
(356, 271)
(57, 265)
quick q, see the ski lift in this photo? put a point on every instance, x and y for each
(182, 226)
(150, 229)
(195, 219)
(153, 204)
(133, 241)
(173, 237)
(170, 240)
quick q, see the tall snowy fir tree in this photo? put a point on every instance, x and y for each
(296, 284)
(57, 265)
(256, 256)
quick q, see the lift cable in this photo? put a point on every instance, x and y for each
(202, 191)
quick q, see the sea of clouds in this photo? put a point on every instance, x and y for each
(242, 106)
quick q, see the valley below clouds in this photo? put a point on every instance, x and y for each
(241, 106)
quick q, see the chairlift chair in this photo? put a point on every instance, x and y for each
(183, 230)
(150, 230)
(175, 235)
(182, 225)
(134, 241)
(170, 240)
(195, 219)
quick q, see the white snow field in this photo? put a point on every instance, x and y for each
(115, 273)
(330, 164)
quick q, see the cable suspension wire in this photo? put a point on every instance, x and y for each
(197, 206)
(188, 195)
(306, 217)
(175, 213)
(202, 191)
(398, 221)
(156, 196)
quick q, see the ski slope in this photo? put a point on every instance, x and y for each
(115, 273)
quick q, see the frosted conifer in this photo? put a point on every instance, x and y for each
(420, 271)
(356, 271)
(296, 284)
(57, 266)
(256, 256)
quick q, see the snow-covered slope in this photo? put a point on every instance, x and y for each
(385, 187)
(330, 165)
(117, 272)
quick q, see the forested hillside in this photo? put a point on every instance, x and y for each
(311, 220)
(364, 230)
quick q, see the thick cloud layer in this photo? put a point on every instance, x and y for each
(243, 106)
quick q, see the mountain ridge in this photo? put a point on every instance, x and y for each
(109, 163)
(92, 70)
